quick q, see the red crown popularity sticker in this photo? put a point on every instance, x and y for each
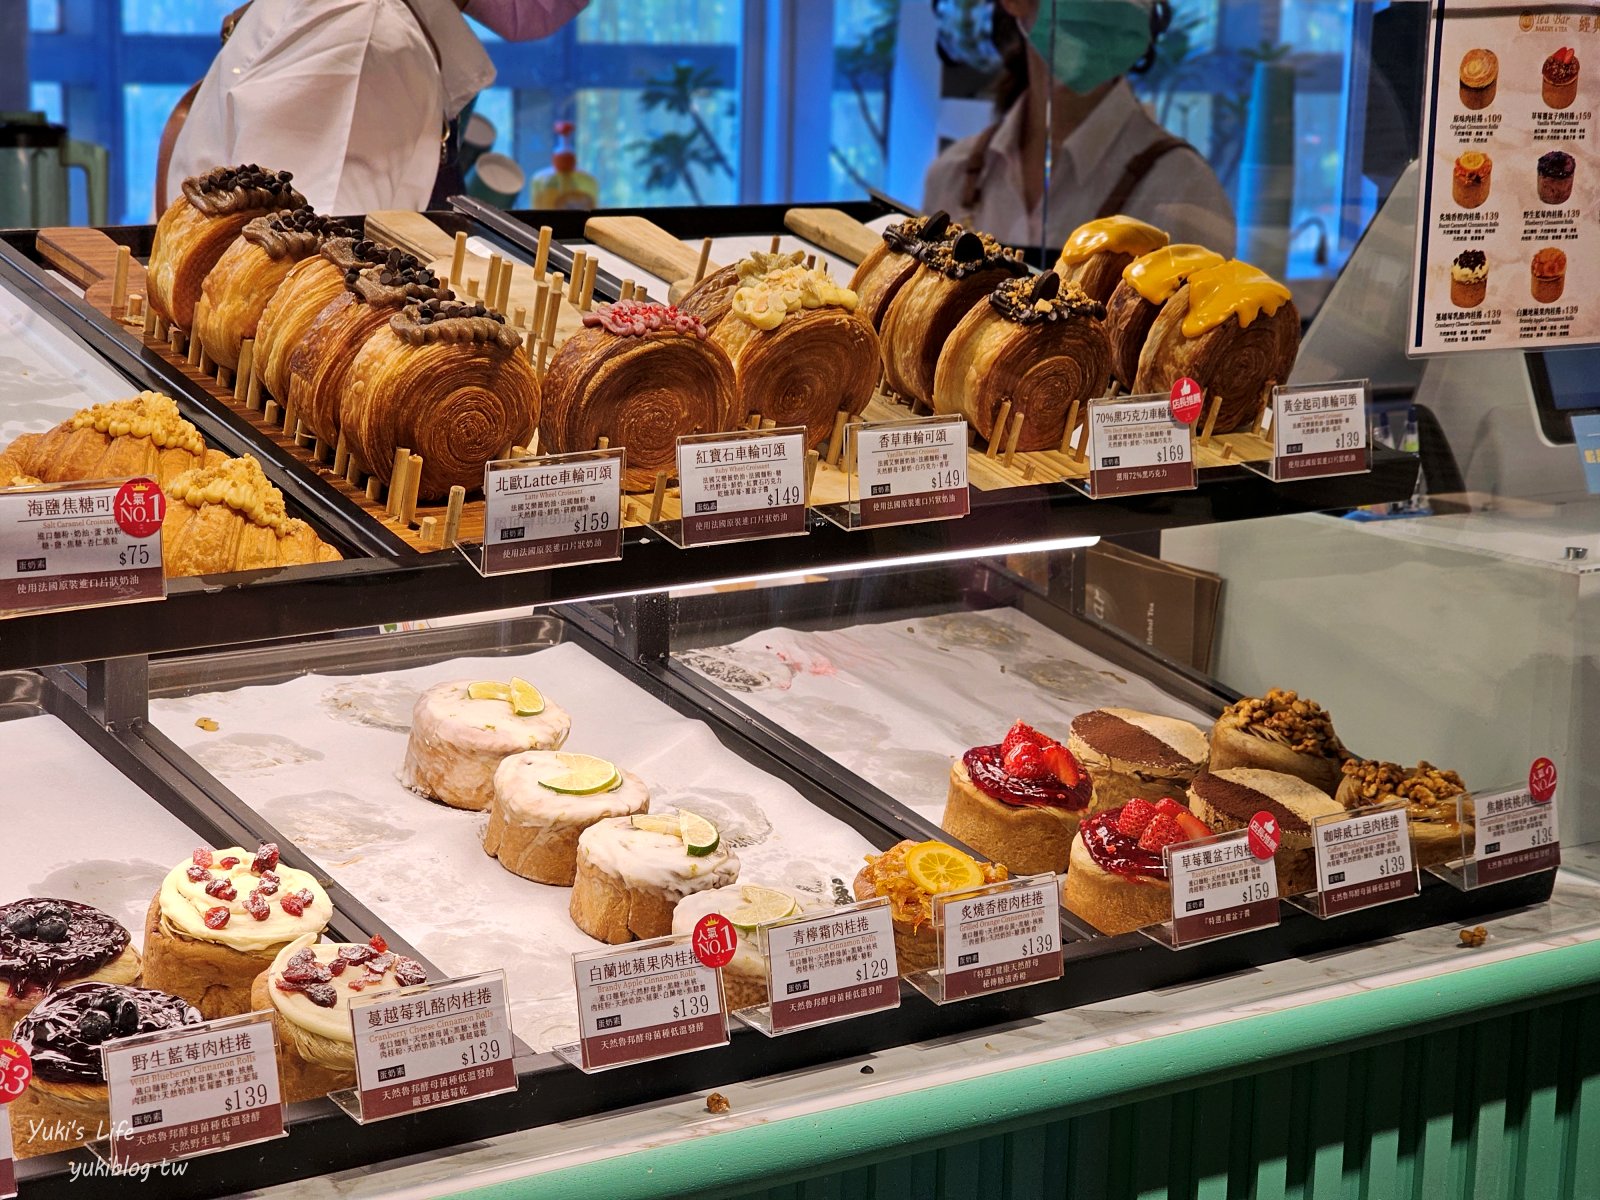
(1188, 398)
(1542, 779)
(714, 940)
(140, 507)
(16, 1069)
(1263, 835)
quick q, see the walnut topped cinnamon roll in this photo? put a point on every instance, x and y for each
(1280, 731)
(1437, 804)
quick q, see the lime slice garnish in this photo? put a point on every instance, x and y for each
(700, 836)
(488, 689)
(526, 700)
(582, 775)
(760, 906)
(650, 824)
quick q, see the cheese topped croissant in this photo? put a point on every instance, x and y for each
(143, 435)
(228, 517)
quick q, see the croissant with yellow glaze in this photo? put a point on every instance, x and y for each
(200, 225)
(125, 439)
(228, 517)
(1096, 252)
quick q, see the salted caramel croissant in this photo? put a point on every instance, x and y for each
(884, 271)
(1039, 344)
(446, 380)
(641, 375)
(308, 288)
(318, 365)
(1232, 329)
(125, 439)
(1147, 283)
(800, 351)
(228, 517)
(200, 225)
(1096, 252)
(710, 298)
(236, 291)
(950, 278)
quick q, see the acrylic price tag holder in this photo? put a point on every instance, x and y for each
(739, 486)
(8, 1166)
(80, 545)
(643, 1001)
(190, 1091)
(430, 1045)
(826, 966)
(1504, 835)
(1219, 889)
(994, 938)
(550, 510)
(1137, 446)
(1318, 430)
(1363, 858)
(901, 472)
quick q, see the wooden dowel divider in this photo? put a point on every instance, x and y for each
(591, 271)
(658, 497)
(836, 439)
(225, 379)
(458, 259)
(997, 432)
(397, 478)
(119, 282)
(374, 488)
(1211, 420)
(341, 455)
(428, 529)
(813, 457)
(452, 514)
(150, 321)
(502, 298)
(777, 238)
(627, 289)
(705, 259)
(247, 366)
(354, 470)
(520, 318)
(472, 289)
(1072, 424)
(580, 264)
(491, 281)
(408, 499)
(272, 413)
(541, 256)
(1011, 438)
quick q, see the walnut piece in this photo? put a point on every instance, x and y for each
(717, 1103)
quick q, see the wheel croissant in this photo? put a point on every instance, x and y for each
(640, 375)
(1231, 329)
(126, 439)
(1095, 253)
(950, 278)
(885, 270)
(1038, 344)
(199, 226)
(448, 381)
(307, 289)
(1147, 283)
(236, 291)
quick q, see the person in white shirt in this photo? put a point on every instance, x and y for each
(1110, 156)
(353, 96)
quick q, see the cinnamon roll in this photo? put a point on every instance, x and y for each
(48, 944)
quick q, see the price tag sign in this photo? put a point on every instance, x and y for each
(552, 510)
(828, 966)
(432, 1045)
(742, 485)
(1516, 835)
(1136, 445)
(80, 544)
(1363, 859)
(1319, 429)
(193, 1090)
(908, 471)
(8, 1166)
(1001, 936)
(16, 1069)
(1219, 888)
(642, 1001)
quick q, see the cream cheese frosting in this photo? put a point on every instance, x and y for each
(331, 1021)
(457, 742)
(519, 790)
(657, 862)
(747, 957)
(185, 902)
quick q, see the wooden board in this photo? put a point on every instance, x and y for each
(834, 231)
(646, 245)
(88, 258)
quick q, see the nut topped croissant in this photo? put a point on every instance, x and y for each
(229, 517)
(141, 436)
(309, 287)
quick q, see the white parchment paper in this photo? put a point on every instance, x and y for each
(46, 376)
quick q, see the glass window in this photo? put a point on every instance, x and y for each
(44, 16)
(175, 16)
(47, 98)
(671, 144)
(145, 108)
(863, 61)
(688, 22)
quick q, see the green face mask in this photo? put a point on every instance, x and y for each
(1088, 42)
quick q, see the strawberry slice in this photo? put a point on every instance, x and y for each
(1170, 807)
(1062, 764)
(1192, 827)
(1026, 761)
(1163, 831)
(1020, 734)
(1135, 817)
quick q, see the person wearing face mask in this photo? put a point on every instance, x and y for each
(1067, 63)
(356, 97)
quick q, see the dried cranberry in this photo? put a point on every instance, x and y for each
(222, 889)
(377, 943)
(381, 964)
(266, 858)
(196, 874)
(337, 966)
(217, 918)
(268, 885)
(355, 954)
(408, 971)
(322, 995)
(228, 863)
(256, 905)
(202, 857)
(295, 902)
(286, 985)
(356, 985)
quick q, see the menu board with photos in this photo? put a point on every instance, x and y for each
(1508, 244)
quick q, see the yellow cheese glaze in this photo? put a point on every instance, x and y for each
(1233, 289)
(1120, 235)
(1157, 275)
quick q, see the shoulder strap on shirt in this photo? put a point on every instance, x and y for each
(1134, 173)
(972, 191)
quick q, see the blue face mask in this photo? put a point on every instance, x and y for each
(1089, 42)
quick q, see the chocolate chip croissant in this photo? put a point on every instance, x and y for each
(200, 225)
(236, 291)
(449, 382)
(228, 517)
(125, 439)
(642, 376)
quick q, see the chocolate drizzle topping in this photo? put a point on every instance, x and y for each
(936, 227)
(1029, 300)
(394, 279)
(967, 254)
(43, 942)
(225, 190)
(296, 233)
(1123, 740)
(63, 1034)
(441, 319)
